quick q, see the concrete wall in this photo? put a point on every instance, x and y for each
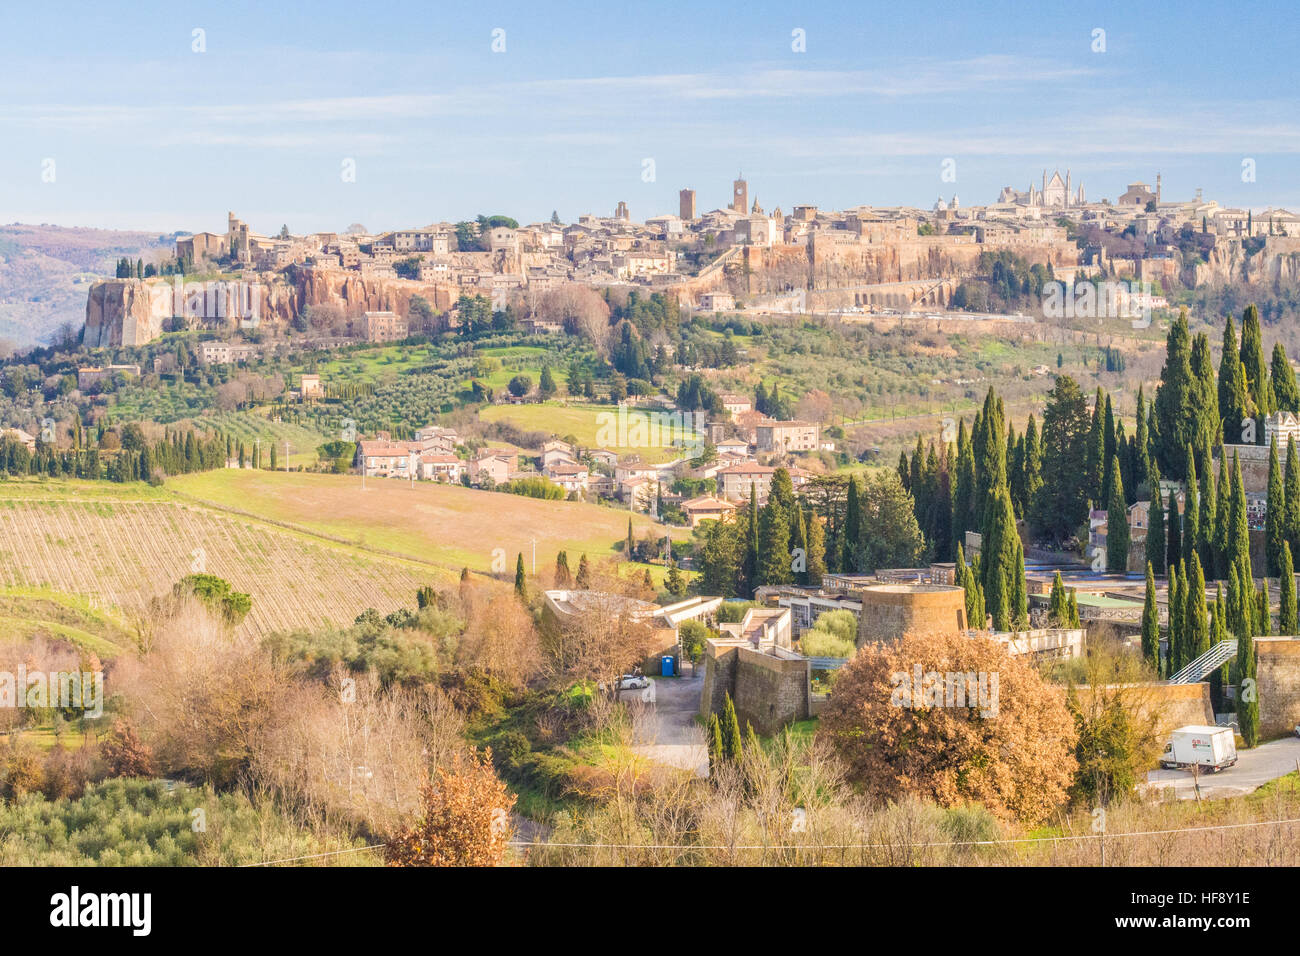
(892, 611)
(1277, 670)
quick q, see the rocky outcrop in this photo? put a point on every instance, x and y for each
(1278, 261)
(299, 287)
(121, 312)
(132, 312)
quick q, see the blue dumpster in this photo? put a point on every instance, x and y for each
(666, 666)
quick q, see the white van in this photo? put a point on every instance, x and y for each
(1210, 747)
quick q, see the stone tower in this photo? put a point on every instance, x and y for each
(740, 196)
(686, 204)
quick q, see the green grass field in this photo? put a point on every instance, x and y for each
(583, 422)
(27, 612)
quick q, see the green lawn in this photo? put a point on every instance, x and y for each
(583, 422)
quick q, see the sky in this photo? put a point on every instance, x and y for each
(401, 114)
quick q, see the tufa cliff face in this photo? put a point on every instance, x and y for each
(132, 312)
(299, 287)
(1278, 261)
(119, 312)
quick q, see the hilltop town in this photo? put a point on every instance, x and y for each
(860, 260)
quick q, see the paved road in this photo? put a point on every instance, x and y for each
(679, 741)
(1253, 769)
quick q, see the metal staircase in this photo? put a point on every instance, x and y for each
(1212, 659)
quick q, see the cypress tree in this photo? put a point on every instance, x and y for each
(963, 487)
(1141, 445)
(998, 553)
(1247, 691)
(1125, 447)
(1287, 625)
(1234, 399)
(1174, 547)
(941, 526)
(1285, 392)
(732, 746)
(1223, 508)
(1110, 457)
(1117, 534)
(630, 543)
(583, 579)
(1033, 464)
(1275, 518)
(852, 529)
(1218, 677)
(1150, 623)
(774, 563)
(1177, 604)
(1291, 496)
(1241, 597)
(1019, 591)
(715, 743)
(904, 470)
(1252, 362)
(1238, 529)
(1195, 617)
(1155, 547)
(1094, 461)
(1263, 612)
(521, 584)
(1178, 418)
(1056, 602)
(1191, 513)
(749, 565)
(799, 543)
(1206, 407)
(816, 550)
(990, 457)
(1205, 522)
(968, 580)
(917, 474)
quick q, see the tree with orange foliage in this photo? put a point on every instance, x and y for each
(465, 819)
(125, 753)
(954, 719)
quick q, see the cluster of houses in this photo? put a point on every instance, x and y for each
(595, 473)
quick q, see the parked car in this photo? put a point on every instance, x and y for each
(633, 682)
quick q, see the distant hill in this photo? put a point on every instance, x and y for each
(46, 270)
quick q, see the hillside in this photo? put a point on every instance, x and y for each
(119, 550)
(443, 524)
(45, 272)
